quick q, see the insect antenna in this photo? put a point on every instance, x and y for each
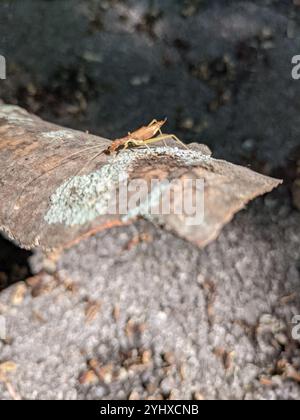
(82, 169)
(62, 162)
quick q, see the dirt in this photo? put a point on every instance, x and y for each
(175, 322)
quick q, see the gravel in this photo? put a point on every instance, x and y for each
(161, 318)
(136, 312)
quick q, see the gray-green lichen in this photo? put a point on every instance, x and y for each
(83, 198)
(15, 115)
(58, 134)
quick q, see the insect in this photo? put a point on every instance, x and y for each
(143, 136)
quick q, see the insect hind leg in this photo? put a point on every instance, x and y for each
(164, 137)
(179, 141)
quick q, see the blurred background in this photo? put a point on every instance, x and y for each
(220, 71)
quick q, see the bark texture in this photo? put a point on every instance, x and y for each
(43, 203)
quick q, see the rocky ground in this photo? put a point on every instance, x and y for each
(137, 313)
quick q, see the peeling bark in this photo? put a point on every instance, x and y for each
(36, 178)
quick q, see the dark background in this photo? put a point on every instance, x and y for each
(219, 70)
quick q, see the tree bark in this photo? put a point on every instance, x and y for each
(44, 204)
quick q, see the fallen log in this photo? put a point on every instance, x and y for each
(43, 203)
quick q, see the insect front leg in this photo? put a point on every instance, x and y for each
(141, 143)
(137, 143)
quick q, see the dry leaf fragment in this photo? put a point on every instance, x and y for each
(88, 378)
(7, 367)
(116, 313)
(291, 373)
(146, 357)
(41, 284)
(134, 396)
(138, 239)
(92, 310)
(266, 381)
(198, 396)
(12, 392)
(19, 293)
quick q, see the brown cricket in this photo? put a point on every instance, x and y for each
(143, 136)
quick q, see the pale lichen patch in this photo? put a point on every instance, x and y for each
(15, 115)
(81, 199)
(58, 135)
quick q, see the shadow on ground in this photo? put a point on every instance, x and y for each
(14, 264)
